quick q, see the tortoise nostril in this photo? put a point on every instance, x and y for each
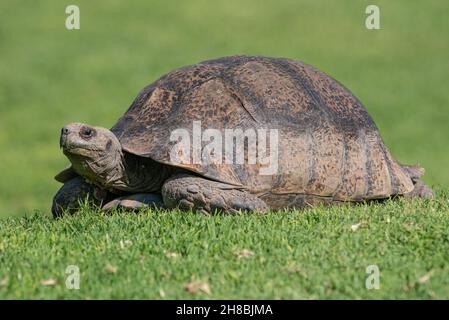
(65, 131)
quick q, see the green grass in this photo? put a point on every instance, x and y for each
(311, 254)
(50, 76)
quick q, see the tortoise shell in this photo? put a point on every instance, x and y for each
(328, 145)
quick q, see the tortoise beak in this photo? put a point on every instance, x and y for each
(61, 142)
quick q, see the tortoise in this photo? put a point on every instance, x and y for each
(326, 148)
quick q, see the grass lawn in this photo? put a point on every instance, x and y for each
(50, 76)
(319, 253)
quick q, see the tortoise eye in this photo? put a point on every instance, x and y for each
(86, 133)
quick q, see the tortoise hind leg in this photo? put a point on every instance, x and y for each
(135, 202)
(188, 192)
(421, 190)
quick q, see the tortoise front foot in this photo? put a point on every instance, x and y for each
(74, 192)
(188, 192)
(135, 202)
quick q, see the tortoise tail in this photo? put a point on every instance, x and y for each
(414, 171)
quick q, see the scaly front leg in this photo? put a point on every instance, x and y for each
(188, 192)
(75, 191)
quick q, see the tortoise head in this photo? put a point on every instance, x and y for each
(95, 152)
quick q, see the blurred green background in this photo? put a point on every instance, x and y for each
(50, 76)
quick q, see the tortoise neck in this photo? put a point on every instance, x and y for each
(141, 174)
(112, 175)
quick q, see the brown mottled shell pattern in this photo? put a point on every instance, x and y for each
(329, 146)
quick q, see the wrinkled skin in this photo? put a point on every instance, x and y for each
(330, 150)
